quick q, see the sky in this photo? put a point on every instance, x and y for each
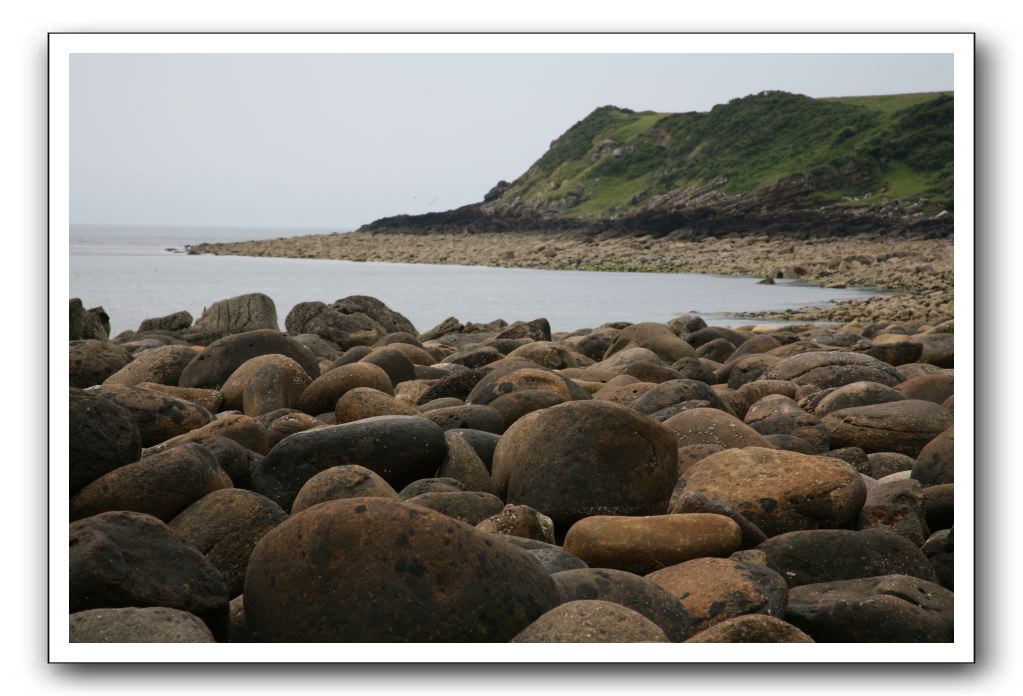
(332, 141)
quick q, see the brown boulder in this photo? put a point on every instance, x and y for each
(752, 628)
(225, 527)
(161, 485)
(344, 571)
(162, 365)
(91, 361)
(886, 609)
(898, 426)
(711, 426)
(234, 388)
(102, 437)
(586, 457)
(211, 368)
(324, 391)
(158, 417)
(519, 521)
(137, 625)
(591, 621)
(713, 590)
(644, 544)
(935, 465)
(127, 559)
(780, 491)
(366, 402)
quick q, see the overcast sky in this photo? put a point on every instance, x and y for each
(334, 141)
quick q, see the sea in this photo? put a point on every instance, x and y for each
(138, 272)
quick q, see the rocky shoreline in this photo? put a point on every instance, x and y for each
(358, 479)
(919, 270)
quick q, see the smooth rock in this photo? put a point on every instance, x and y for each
(591, 621)
(137, 625)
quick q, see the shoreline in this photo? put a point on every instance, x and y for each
(918, 271)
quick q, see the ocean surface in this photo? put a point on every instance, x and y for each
(134, 274)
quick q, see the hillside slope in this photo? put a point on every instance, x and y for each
(773, 161)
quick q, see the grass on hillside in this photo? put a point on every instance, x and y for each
(886, 146)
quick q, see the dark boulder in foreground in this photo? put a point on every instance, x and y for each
(592, 621)
(631, 591)
(371, 569)
(584, 458)
(400, 449)
(92, 361)
(887, 609)
(225, 526)
(127, 559)
(161, 485)
(752, 628)
(826, 555)
(101, 436)
(158, 416)
(137, 625)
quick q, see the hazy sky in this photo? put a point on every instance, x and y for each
(336, 140)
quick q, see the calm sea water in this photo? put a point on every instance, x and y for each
(130, 272)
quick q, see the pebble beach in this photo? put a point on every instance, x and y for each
(356, 478)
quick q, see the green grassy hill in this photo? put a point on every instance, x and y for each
(851, 151)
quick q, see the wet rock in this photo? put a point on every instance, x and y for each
(897, 506)
(209, 399)
(710, 426)
(752, 628)
(677, 391)
(161, 485)
(887, 609)
(400, 449)
(591, 621)
(713, 590)
(470, 507)
(157, 416)
(239, 314)
(92, 361)
(324, 391)
(644, 544)
(137, 625)
(940, 553)
(780, 491)
(538, 330)
(392, 361)
(211, 368)
(87, 324)
(236, 461)
(856, 394)
(365, 402)
(339, 483)
(899, 426)
(519, 521)
(296, 378)
(516, 404)
(162, 365)
(935, 387)
(935, 464)
(128, 559)
(471, 416)
(225, 527)
(586, 457)
(682, 502)
(826, 555)
(244, 430)
(463, 464)
(630, 591)
(286, 422)
(881, 464)
(483, 443)
(101, 437)
(342, 572)
(833, 369)
(939, 505)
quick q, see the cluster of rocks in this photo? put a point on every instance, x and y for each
(921, 269)
(355, 480)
